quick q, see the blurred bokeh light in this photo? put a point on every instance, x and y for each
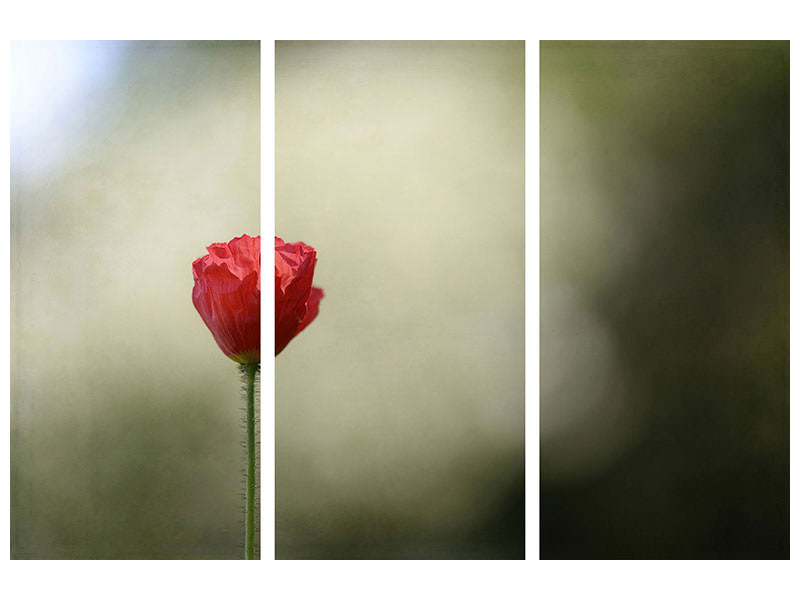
(664, 299)
(128, 158)
(399, 412)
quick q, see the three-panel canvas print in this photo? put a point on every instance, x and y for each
(653, 289)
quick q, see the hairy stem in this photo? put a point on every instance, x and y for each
(250, 516)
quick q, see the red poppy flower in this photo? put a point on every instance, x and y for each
(227, 294)
(296, 301)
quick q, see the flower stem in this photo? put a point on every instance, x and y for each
(250, 517)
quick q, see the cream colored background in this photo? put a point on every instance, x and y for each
(399, 412)
(127, 160)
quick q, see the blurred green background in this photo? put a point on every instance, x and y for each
(399, 411)
(664, 299)
(128, 158)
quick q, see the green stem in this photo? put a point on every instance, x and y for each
(250, 517)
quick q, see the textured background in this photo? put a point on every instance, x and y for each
(399, 411)
(664, 299)
(127, 160)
